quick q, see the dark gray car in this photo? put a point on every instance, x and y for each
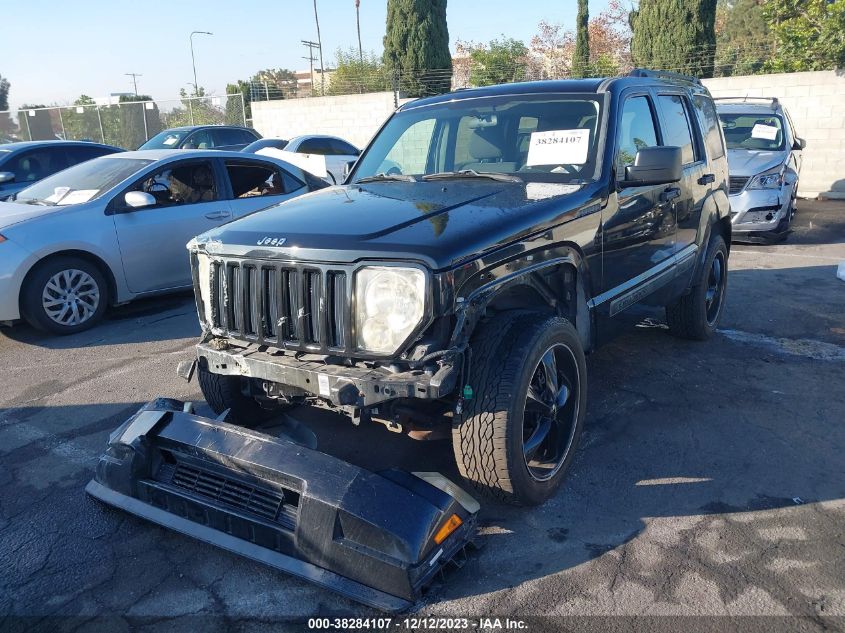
(231, 138)
(24, 163)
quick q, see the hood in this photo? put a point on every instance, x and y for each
(13, 212)
(437, 222)
(750, 162)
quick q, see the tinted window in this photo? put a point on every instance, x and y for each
(250, 180)
(33, 165)
(315, 146)
(182, 183)
(636, 131)
(80, 153)
(276, 143)
(710, 124)
(677, 131)
(169, 139)
(227, 136)
(342, 147)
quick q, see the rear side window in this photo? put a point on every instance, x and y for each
(227, 136)
(710, 125)
(343, 148)
(253, 179)
(317, 145)
(676, 126)
(636, 131)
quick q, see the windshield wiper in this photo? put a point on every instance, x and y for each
(35, 201)
(381, 177)
(471, 173)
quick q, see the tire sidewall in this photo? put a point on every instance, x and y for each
(527, 489)
(717, 245)
(32, 308)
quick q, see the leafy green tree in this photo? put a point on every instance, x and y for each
(809, 34)
(274, 83)
(416, 46)
(742, 35)
(358, 72)
(501, 61)
(676, 35)
(581, 56)
(7, 124)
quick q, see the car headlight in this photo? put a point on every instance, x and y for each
(772, 179)
(390, 303)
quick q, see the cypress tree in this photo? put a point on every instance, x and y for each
(676, 35)
(581, 57)
(416, 46)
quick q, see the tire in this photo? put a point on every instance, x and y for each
(225, 392)
(696, 315)
(489, 439)
(64, 295)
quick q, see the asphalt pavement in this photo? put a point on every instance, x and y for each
(710, 480)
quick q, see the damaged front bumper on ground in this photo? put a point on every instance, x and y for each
(342, 385)
(378, 538)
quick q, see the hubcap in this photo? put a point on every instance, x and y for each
(70, 297)
(715, 288)
(551, 412)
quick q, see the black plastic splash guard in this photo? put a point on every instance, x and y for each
(369, 536)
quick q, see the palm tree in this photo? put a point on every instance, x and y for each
(320, 47)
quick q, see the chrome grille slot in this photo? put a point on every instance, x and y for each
(290, 306)
(737, 183)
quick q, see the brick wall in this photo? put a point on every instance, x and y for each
(816, 103)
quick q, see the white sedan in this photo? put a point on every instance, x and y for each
(114, 228)
(336, 152)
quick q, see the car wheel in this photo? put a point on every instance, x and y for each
(518, 434)
(227, 392)
(64, 295)
(696, 315)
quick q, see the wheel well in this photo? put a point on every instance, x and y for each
(84, 255)
(553, 290)
(724, 228)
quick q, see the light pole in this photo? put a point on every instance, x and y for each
(134, 80)
(193, 61)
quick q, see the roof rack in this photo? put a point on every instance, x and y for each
(772, 101)
(663, 74)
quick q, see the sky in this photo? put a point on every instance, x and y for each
(52, 51)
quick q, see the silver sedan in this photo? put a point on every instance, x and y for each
(114, 228)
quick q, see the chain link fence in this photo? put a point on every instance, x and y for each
(127, 124)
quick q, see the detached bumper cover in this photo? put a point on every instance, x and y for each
(367, 536)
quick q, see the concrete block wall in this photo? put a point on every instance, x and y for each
(816, 103)
(355, 118)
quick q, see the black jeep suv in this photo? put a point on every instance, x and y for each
(479, 247)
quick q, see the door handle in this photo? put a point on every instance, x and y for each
(670, 194)
(706, 179)
(217, 215)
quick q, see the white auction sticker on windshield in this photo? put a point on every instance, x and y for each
(559, 147)
(767, 132)
(78, 197)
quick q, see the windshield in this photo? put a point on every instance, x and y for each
(545, 137)
(169, 139)
(752, 131)
(81, 183)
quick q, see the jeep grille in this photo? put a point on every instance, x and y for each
(286, 306)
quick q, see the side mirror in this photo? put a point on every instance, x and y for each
(139, 199)
(347, 167)
(654, 166)
(799, 143)
(6, 176)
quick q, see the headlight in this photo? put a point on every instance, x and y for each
(390, 302)
(772, 179)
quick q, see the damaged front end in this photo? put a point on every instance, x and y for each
(378, 538)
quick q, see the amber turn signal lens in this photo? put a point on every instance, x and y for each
(450, 526)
